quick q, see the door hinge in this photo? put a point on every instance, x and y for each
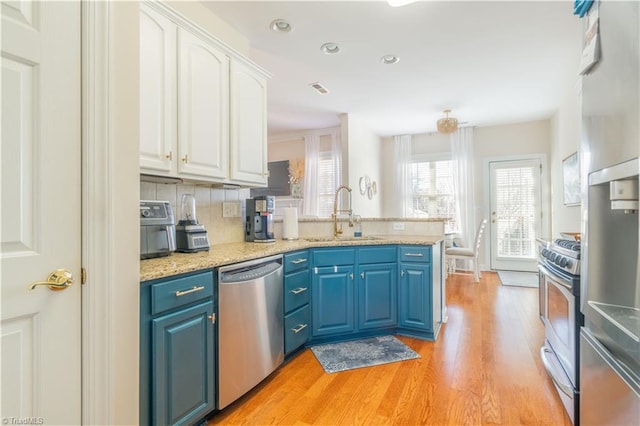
(83, 276)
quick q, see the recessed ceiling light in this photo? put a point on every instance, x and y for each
(330, 48)
(389, 59)
(281, 26)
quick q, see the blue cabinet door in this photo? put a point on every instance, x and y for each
(415, 296)
(182, 374)
(377, 290)
(332, 300)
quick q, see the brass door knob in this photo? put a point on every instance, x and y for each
(56, 281)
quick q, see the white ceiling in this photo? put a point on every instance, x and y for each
(490, 62)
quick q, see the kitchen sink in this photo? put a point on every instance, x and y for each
(344, 238)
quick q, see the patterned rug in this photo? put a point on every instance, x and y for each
(343, 356)
(519, 279)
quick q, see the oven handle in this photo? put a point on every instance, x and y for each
(556, 279)
(545, 352)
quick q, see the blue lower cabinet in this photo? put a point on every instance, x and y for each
(332, 300)
(377, 296)
(183, 351)
(414, 306)
(177, 349)
(296, 329)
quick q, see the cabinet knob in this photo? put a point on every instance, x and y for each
(362, 275)
(185, 158)
(169, 156)
(351, 275)
(212, 318)
(402, 273)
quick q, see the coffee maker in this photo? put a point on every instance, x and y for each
(191, 236)
(259, 219)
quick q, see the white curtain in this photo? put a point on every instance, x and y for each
(463, 176)
(403, 191)
(336, 153)
(311, 154)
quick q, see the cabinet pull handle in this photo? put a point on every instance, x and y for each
(299, 290)
(212, 318)
(362, 274)
(414, 254)
(315, 270)
(402, 273)
(185, 158)
(299, 328)
(169, 156)
(351, 276)
(298, 261)
(193, 290)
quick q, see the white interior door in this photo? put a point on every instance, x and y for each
(40, 329)
(515, 214)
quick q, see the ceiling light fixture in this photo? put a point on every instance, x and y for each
(447, 124)
(389, 59)
(281, 26)
(330, 48)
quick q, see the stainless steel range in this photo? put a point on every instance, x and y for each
(559, 267)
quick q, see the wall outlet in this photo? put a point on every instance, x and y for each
(398, 226)
(231, 209)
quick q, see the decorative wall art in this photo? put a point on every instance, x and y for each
(368, 187)
(571, 180)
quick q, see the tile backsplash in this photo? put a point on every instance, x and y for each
(208, 207)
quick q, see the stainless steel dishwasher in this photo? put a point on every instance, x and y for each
(250, 325)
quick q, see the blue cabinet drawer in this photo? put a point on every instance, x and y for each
(296, 329)
(334, 257)
(296, 261)
(377, 255)
(296, 290)
(420, 254)
(181, 291)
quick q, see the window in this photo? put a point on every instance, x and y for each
(326, 183)
(432, 188)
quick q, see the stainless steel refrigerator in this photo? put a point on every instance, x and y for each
(610, 276)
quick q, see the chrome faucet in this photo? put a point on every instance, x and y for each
(337, 231)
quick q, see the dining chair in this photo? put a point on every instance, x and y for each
(467, 253)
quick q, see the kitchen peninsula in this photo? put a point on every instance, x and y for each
(333, 288)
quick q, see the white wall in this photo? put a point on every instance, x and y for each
(565, 140)
(363, 158)
(124, 212)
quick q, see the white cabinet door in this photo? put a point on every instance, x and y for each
(157, 92)
(248, 125)
(41, 221)
(203, 108)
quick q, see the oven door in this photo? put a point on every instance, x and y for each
(559, 320)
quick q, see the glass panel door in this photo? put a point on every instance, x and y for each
(515, 214)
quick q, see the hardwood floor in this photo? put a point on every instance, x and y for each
(483, 369)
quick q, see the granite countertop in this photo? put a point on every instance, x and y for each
(225, 254)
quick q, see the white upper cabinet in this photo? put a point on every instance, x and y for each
(202, 105)
(157, 92)
(248, 125)
(203, 108)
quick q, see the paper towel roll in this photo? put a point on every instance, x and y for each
(290, 223)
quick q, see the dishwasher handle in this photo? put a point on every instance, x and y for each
(249, 273)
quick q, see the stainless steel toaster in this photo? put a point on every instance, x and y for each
(157, 229)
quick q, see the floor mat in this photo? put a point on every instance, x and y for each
(519, 279)
(343, 356)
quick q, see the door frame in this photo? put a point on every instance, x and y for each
(110, 133)
(545, 194)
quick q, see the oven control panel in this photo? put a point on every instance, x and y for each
(562, 255)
